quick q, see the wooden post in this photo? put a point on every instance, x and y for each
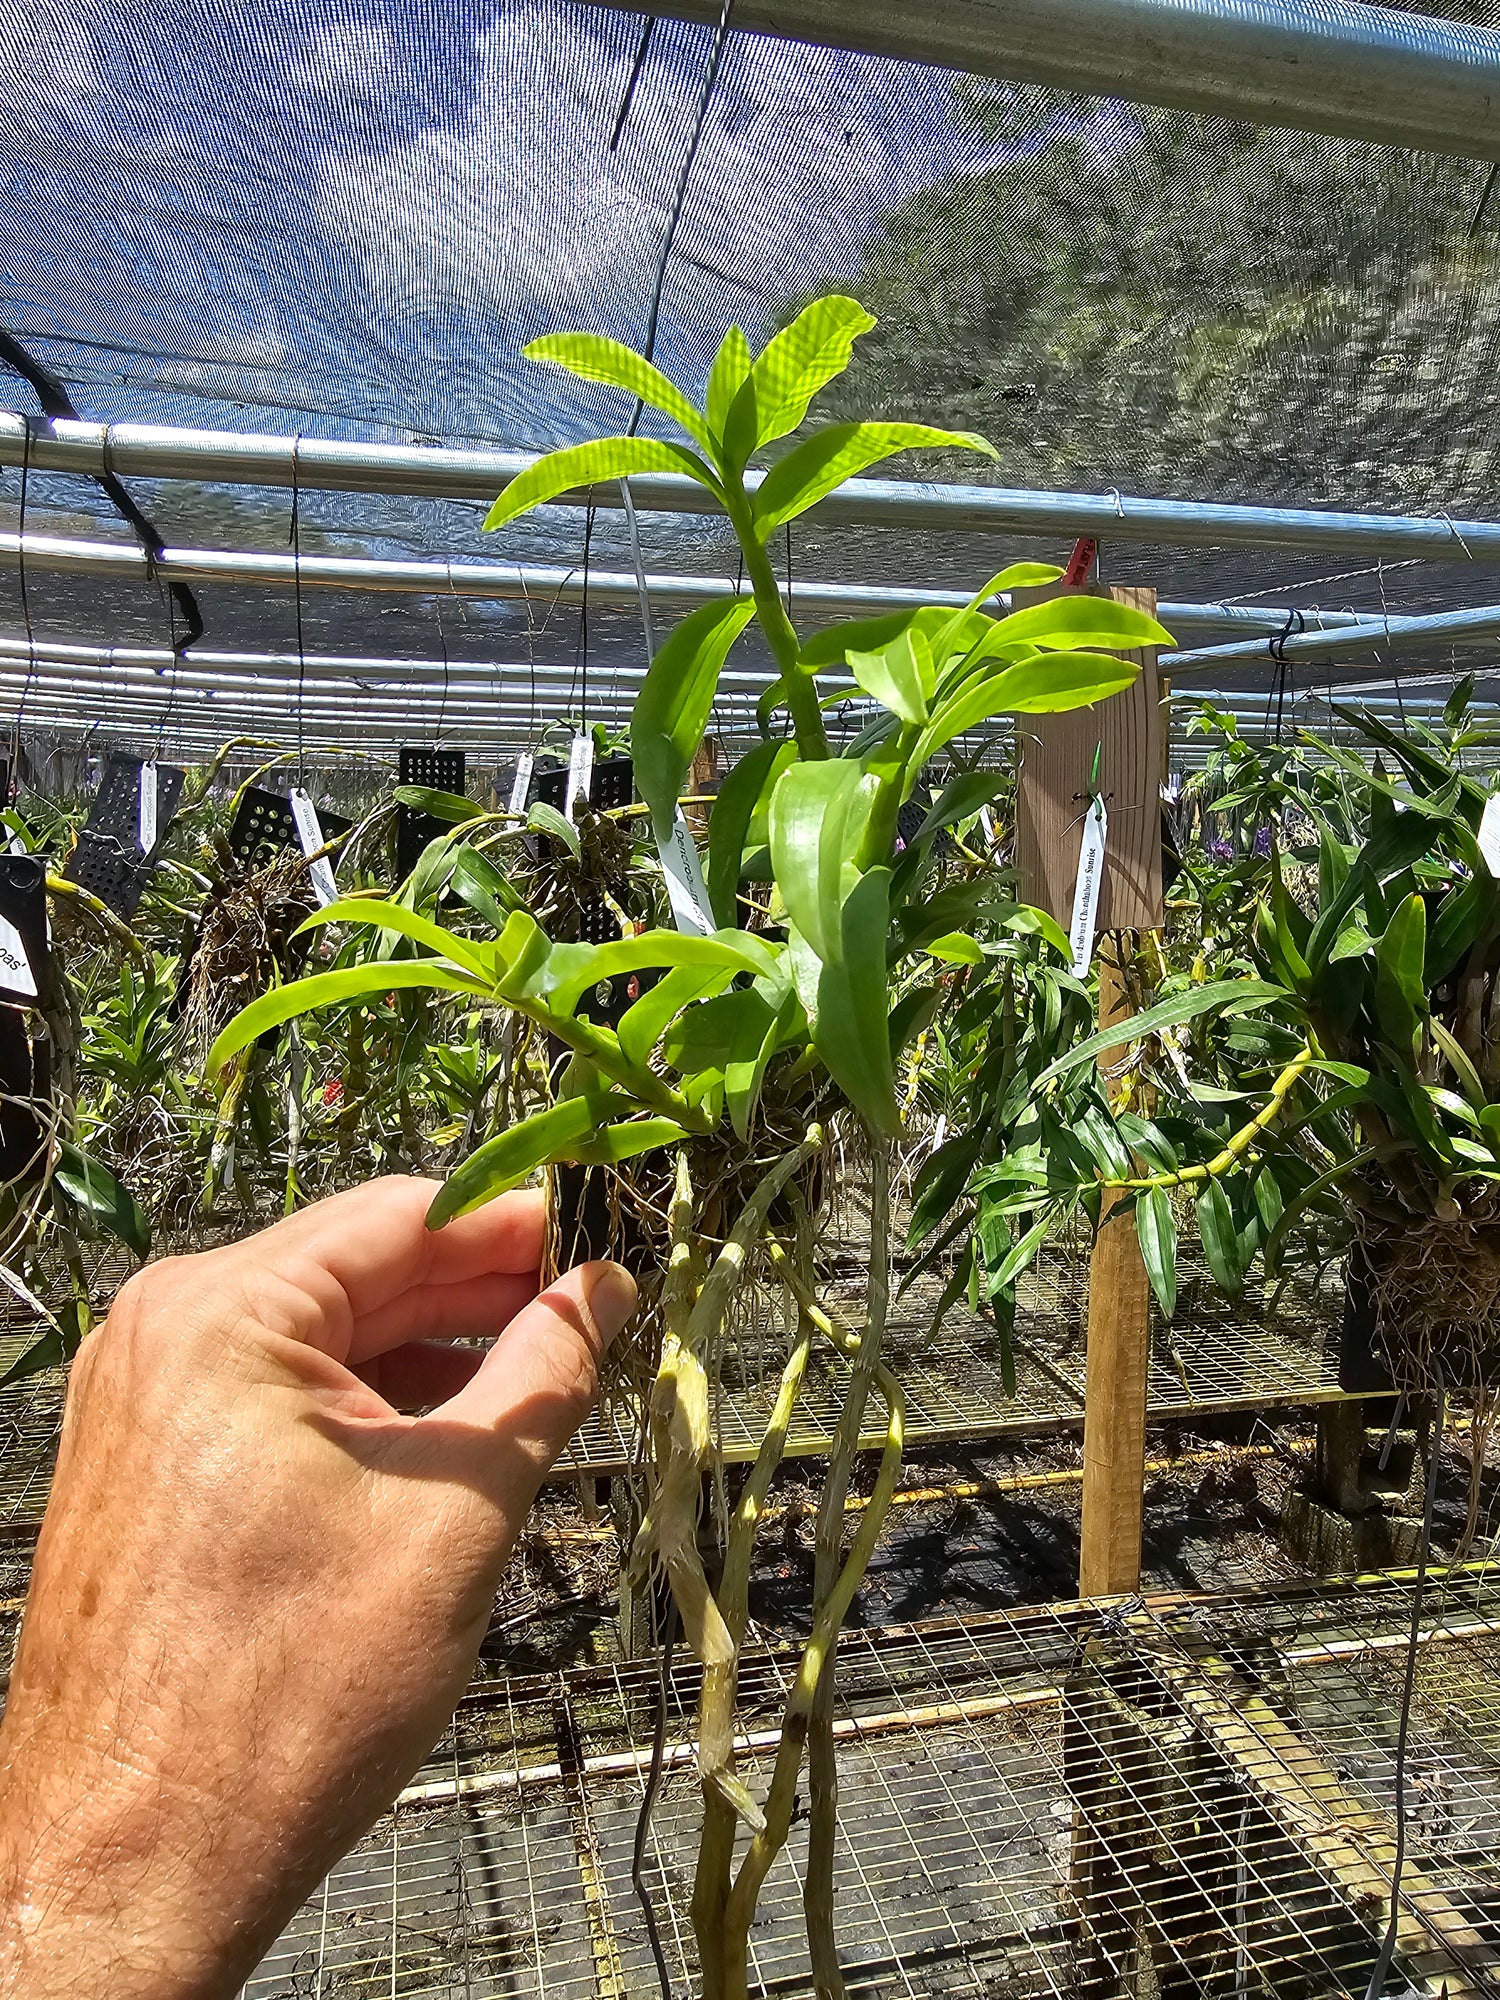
(1056, 759)
(1119, 1349)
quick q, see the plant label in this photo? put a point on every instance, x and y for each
(1489, 833)
(310, 839)
(1086, 894)
(16, 975)
(520, 784)
(580, 773)
(691, 910)
(147, 832)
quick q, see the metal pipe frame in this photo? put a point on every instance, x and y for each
(356, 672)
(1477, 625)
(153, 451)
(1314, 65)
(549, 584)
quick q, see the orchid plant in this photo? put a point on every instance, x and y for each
(731, 1076)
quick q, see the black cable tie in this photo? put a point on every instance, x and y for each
(57, 407)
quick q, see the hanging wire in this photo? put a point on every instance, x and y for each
(1387, 1950)
(700, 115)
(437, 605)
(1277, 647)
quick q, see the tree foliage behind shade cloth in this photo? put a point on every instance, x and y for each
(1174, 304)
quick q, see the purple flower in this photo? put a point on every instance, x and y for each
(1262, 845)
(1221, 850)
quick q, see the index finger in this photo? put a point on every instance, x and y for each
(373, 1241)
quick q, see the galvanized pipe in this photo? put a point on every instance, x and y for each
(529, 582)
(155, 451)
(430, 675)
(1479, 625)
(1314, 65)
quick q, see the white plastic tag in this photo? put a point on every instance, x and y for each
(17, 845)
(580, 773)
(520, 784)
(310, 839)
(1086, 894)
(987, 821)
(691, 911)
(1489, 833)
(147, 833)
(16, 975)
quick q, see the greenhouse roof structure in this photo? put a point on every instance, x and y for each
(279, 265)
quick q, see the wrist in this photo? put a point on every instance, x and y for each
(107, 1885)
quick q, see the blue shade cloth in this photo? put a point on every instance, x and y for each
(345, 219)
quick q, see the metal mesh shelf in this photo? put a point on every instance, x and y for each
(1067, 1800)
(1218, 1357)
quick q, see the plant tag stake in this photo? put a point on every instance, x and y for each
(520, 784)
(1489, 833)
(691, 910)
(1086, 895)
(580, 773)
(147, 833)
(310, 839)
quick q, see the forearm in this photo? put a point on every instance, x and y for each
(113, 1885)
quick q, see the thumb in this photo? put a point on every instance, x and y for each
(539, 1380)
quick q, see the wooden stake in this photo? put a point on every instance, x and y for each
(1119, 1342)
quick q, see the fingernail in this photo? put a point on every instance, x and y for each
(611, 1297)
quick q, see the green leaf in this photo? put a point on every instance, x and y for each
(106, 1201)
(571, 969)
(676, 699)
(958, 800)
(625, 1141)
(818, 815)
(1402, 840)
(1018, 1257)
(1046, 685)
(646, 1020)
(736, 1034)
(747, 787)
(900, 676)
(374, 914)
(1268, 1199)
(479, 883)
(513, 1155)
(597, 359)
(1156, 1232)
(954, 948)
(1456, 706)
(854, 635)
(327, 989)
(1464, 916)
(542, 818)
(1062, 624)
(911, 1014)
(449, 806)
(1400, 993)
(1222, 996)
(53, 1348)
(585, 464)
(1462, 1067)
(1333, 866)
(1220, 1239)
(812, 469)
(726, 378)
(802, 359)
(846, 1002)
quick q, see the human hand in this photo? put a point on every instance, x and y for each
(259, 1590)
